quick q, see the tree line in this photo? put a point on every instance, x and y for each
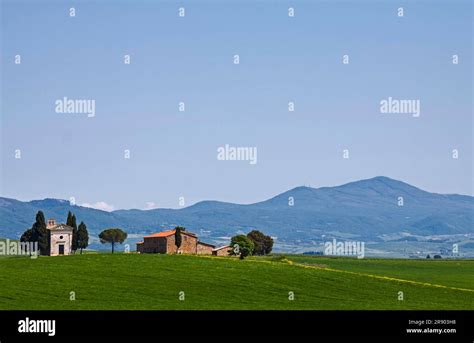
(254, 243)
(39, 233)
(80, 236)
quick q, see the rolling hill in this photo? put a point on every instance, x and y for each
(366, 208)
(153, 281)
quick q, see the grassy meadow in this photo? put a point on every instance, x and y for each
(152, 281)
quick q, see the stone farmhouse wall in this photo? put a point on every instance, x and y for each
(155, 245)
(204, 249)
(223, 251)
(188, 244)
(166, 245)
(60, 237)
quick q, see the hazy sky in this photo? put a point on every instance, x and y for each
(191, 59)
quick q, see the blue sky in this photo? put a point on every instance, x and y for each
(190, 59)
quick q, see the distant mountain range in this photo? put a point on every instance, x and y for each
(366, 209)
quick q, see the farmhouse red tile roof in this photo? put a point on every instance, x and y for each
(209, 245)
(224, 247)
(162, 234)
(168, 233)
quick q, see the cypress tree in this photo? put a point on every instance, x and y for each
(82, 237)
(40, 233)
(27, 236)
(69, 219)
(74, 233)
(178, 239)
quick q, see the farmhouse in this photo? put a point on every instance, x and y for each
(221, 251)
(164, 243)
(60, 238)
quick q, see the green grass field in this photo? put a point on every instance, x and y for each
(131, 281)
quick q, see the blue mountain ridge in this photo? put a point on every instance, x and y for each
(366, 208)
